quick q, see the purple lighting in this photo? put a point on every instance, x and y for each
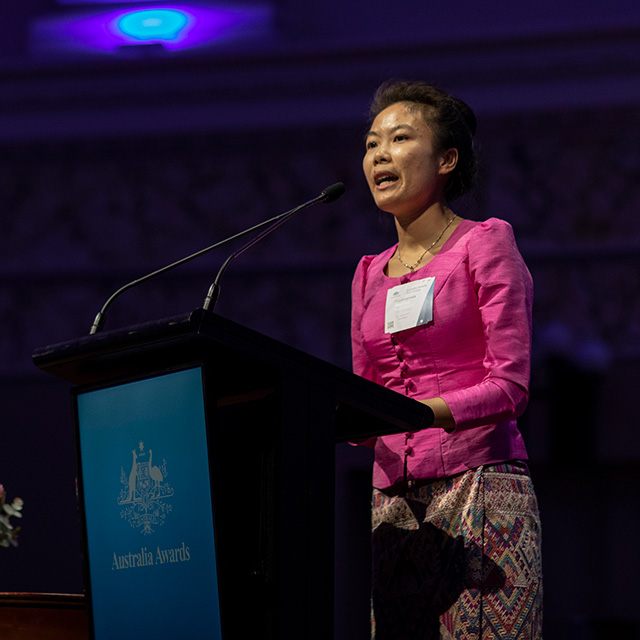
(100, 30)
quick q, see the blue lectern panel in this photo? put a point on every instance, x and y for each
(148, 509)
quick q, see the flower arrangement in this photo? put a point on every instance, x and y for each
(9, 533)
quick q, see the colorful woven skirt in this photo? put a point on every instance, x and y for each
(458, 558)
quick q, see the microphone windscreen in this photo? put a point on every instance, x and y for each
(333, 192)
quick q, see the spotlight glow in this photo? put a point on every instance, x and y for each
(186, 26)
(153, 24)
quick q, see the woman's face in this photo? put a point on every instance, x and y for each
(403, 170)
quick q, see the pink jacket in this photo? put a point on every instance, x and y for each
(475, 353)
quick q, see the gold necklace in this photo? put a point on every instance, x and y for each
(412, 267)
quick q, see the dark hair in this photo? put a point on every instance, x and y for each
(452, 121)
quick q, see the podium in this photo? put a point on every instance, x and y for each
(206, 458)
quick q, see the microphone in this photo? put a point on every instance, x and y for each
(330, 194)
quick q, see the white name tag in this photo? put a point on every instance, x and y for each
(409, 305)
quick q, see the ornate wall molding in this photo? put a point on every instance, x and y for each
(82, 218)
(311, 84)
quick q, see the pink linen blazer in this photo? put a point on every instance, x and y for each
(475, 353)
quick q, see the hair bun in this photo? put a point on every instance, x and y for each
(466, 113)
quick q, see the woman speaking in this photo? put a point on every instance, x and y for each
(444, 317)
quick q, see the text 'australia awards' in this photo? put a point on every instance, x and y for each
(145, 557)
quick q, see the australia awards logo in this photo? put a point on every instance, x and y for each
(144, 491)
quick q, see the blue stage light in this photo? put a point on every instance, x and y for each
(153, 24)
(183, 26)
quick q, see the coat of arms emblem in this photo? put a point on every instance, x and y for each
(144, 491)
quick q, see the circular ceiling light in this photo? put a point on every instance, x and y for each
(153, 24)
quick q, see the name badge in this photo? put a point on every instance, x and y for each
(409, 305)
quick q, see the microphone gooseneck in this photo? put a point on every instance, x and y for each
(330, 194)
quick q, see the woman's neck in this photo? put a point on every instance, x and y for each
(418, 231)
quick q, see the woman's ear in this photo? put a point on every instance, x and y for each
(448, 161)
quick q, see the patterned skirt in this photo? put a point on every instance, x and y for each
(458, 558)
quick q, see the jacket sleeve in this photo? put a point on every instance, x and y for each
(362, 364)
(504, 291)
